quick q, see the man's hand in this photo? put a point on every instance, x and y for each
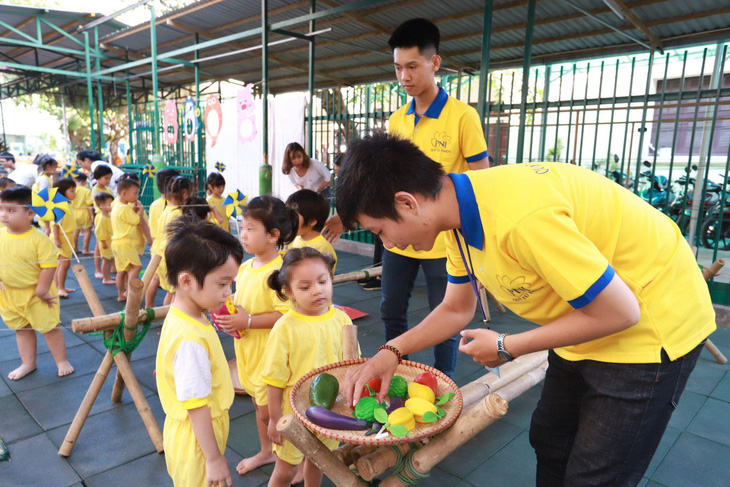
(333, 229)
(483, 347)
(382, 366)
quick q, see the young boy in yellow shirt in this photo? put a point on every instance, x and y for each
(162, 177)
(313, 210)
(28, 297)
(102, 176)
(83, 212)
(103, 232)
(193, 379)
(126, 217)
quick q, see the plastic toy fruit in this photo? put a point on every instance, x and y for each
(403, 417)
(323, 390)
(427, 379)
(374, 385)
(416, 390)
(419, 407)
(398, 387)
(228, 308)
(365, 408)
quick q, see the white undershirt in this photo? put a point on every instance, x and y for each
(316, 174)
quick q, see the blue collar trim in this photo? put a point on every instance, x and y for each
(471, 221)
(434, 109)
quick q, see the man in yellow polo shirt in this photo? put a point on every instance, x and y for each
(623, 306)
(449, 132)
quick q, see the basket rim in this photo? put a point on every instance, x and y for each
(457, 401)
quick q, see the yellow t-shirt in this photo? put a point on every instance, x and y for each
(23, 256)
(547, 238)
(208, 382)
(103, 232)
(318, 243)
(68, 226)
(124, 222)
(81, 204)
(96, 189)
(255, 296)
(42, 177)
(169, 214)
(218, 204)
(450, 133)
(155, 211)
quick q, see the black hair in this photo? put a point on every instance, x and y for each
(44, 160)
(64, 185)
(274, 214)
(8, 156)
(80, 176)
(337, 161)
(163, 176)
(177, 185)
(5, 182)
(88, 154)
(19, 194)
(199, 248)
(312, 206)
(101, 197)
(215, 179)
(419, 33)
(196, 208)
(374, 169)
(279, 279)
(101, 171)
(127, 175)
(124, 184)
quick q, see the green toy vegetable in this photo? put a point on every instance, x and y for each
(323, 391)
(366, 407)
(398, 387)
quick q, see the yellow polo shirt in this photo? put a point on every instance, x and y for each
(318, 243)
(547, 238)
(451, 134)
(155, 211)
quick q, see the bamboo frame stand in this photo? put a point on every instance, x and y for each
(708, 274)
(125, 375)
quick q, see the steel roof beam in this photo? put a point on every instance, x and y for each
(636, 21)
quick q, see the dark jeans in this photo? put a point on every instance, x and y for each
(399, 274)
(377, 250)
(598, 424)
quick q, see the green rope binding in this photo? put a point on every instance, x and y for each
(404, 469)
(116, 342)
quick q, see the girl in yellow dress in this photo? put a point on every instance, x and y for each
(102, 176)
(268, 225)
(83, 212)
(155, 211)
(306, 278)
(63, 232)
(103, 232)
(216, 185)
(193, 379)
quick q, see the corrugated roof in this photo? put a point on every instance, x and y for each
(355, 50)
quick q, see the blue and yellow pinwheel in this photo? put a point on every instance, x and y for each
(234, 203)
(220, 167)
(149, 171)
(49, 205)
(69, 171)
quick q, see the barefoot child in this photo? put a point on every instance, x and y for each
(268, 225)
(83, 212)
(178, 190)
(5, 183)
(103, 176)
(193, 378)
(103, 232)
(28, 301)
(127, 216)
(216, 185)
(305, 277)
(47, 167)
(63, 232)
(156, 208)
(313, 211)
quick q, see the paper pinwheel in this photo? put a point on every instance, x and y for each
(220, 167)
(234, 203)
(69, 171)
(149, 171)
(49, 205)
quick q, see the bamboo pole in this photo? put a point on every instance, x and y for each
(87, 288)
(716, 353)
(317, 453)
(135, 292)
(500, 306)
(349, 342)
(344, 453)
(485, 303)
(708, 274)
(111, 321)
(361, 451)
(356, 276)
(379, 461)
(150, 271)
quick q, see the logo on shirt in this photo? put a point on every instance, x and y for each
(516, 288)
(441, 141)
(538, 168)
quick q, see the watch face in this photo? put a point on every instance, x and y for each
(504, 355)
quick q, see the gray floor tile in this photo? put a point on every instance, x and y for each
(35, 461)
(119, 432)
(242, 405)
(4, 389)
(477, 450)
(712, 421)
(143, 370)
(721, 391)
(521, 408)
(67, 397)
(148, 470)
(15, 422)
(515, 464)
(9, 346)
(706, 375)
(689, 404)
(668, 440)
(439, 478)
(694, 462)
(243, 437)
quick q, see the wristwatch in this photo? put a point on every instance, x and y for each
(501, 352)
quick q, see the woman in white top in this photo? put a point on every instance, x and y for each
(304, 172)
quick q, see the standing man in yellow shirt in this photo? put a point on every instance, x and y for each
(624, 313)
(449, 132)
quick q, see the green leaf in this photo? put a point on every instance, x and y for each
(399, 431)
(444, 399)
(380, 415)
(429, 417)
(440, 412)
(371, 391)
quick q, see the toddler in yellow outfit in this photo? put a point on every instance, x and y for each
(306, 278)
(63, 232)
(216, 185)
(103, 232)
(193, 379)
(102, 176)
(313, 211)
(268, 225)
(28, 299)
(83, 211)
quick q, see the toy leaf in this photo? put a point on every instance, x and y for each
(371, 391)
(444, 399)
(399, 431)
(380, 415)
(429, 417)
(440, 412)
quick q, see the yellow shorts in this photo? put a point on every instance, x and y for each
(106, 253)
(65, 249)
(183, 456)
(83, 219)
(249, 362)
(20, 307)
(125, 255)
(289, 453)
(141, 243)
(162, 273)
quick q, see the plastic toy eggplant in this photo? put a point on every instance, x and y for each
(329, 419)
